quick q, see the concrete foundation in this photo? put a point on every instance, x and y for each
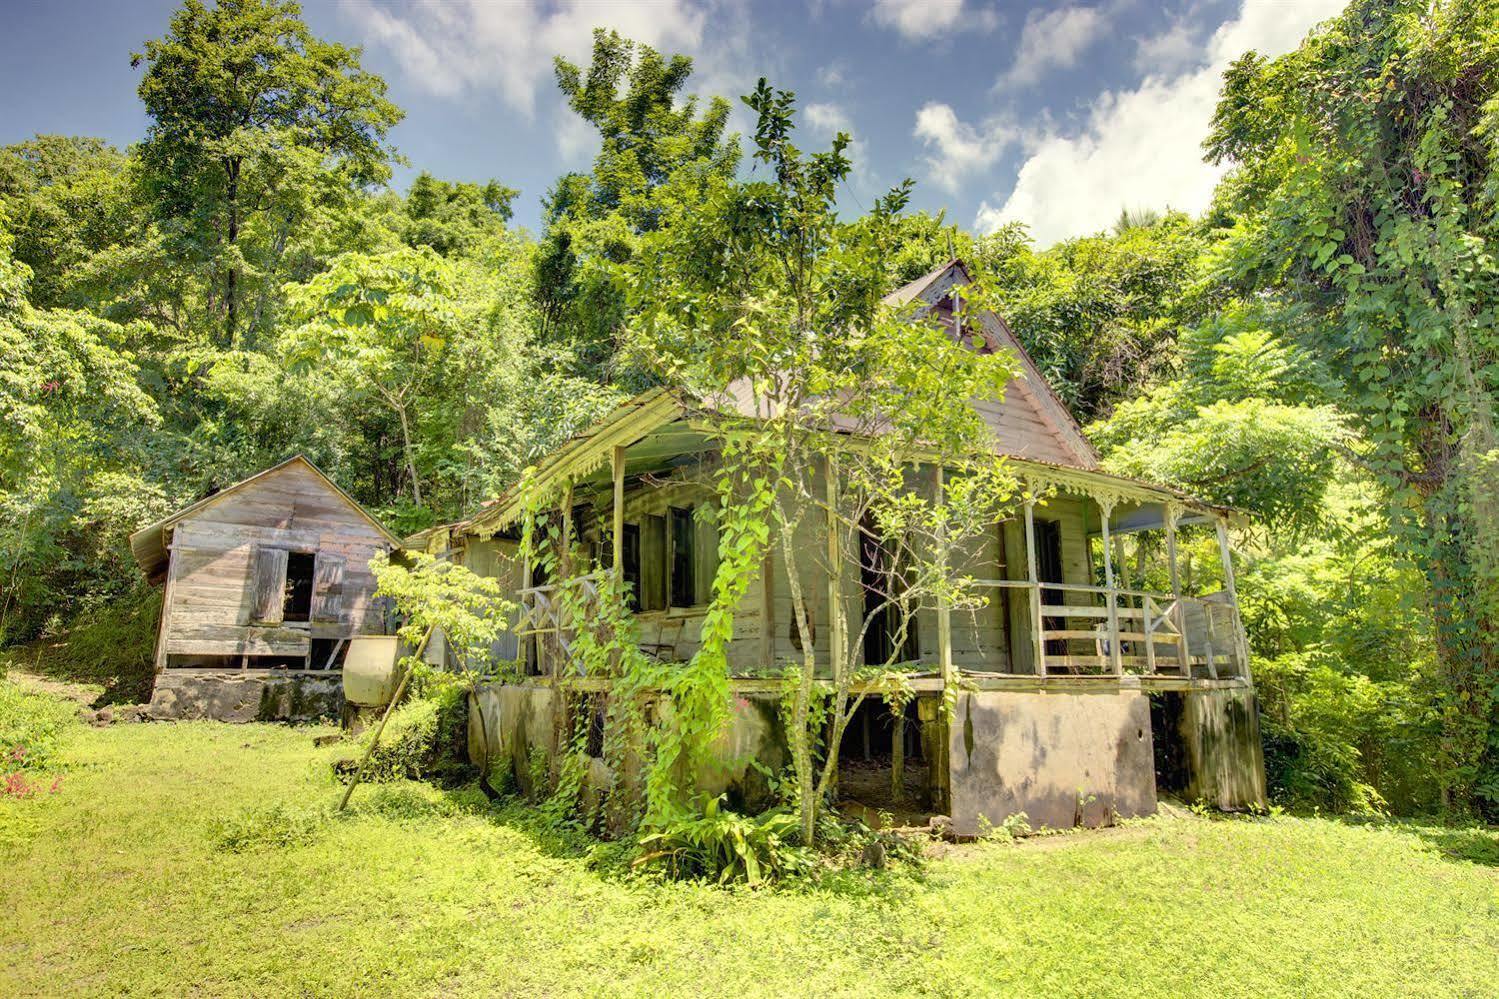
(234, 696)
(1063, 759)
(519, 724)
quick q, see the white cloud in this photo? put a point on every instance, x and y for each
(1053, 40)
(956, 149)
(452, 47)
(824, 120)
(833, 75)
(827, 118)
(923, 20)
(1141, 148)
(1171, 51)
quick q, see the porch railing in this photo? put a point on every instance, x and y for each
(1079, 630)
(550, 619)
(1072, 629)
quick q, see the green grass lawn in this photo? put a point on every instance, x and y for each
(118, 884)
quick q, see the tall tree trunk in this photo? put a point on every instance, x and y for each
(407, 450)
(231, 280)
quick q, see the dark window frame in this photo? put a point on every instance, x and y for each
(681, 531)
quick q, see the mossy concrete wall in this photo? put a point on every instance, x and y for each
(519, 723)
(231, 696)
(1225, 758)
(1062, 759)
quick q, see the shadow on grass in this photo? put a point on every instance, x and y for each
(1474, 844)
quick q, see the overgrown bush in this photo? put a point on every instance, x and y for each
(427, 737)
(724, 846)
(112, 645)
(1339, 741)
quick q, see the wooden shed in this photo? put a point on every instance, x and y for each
(272, 573)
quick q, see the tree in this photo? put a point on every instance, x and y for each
(1241, 426)
(389, 318)
(66, 198)
(650, 137)
(254, 121)
(759, 285)
(1365, 186)
(72, 411)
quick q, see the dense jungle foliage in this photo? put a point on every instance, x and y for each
(1318, 349)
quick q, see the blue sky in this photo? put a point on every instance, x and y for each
(1057, 114)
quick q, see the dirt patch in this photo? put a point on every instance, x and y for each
(84, 695)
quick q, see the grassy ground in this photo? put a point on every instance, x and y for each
(120, 884)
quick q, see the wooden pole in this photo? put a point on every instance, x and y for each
(390, 709)
(1033, 575)
(1241, 640)
(618, 468)
(1111, 595)
(1172, 515)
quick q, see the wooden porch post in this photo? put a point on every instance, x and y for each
(565, 562)
(618, 514)
(1241, 640)
(1173, 514)
(1033, 575)
(944, 610)
(1111, 595)
(835, 571)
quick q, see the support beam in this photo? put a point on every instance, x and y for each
(1241, 640)
(944, 609)
(618, 468)
(1032, 574)
(1173, 514)
(1111, 595)
(565, 556)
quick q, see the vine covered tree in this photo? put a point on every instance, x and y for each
(862, 409)
(1365, 188)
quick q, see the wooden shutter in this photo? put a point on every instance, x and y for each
(653, 562)
(328, 588)
(705, 553)
(270, 585)
(631, 569)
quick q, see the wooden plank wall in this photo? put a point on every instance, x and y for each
(209, 607)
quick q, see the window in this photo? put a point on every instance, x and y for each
(296, 600)
(653, 562)
(683, 589)
(631, 567)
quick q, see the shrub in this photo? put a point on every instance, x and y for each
(271, 826)
(724, 846)
(426, 738)
(112, 645)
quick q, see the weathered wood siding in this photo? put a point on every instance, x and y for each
(210, 608)
(995, 637)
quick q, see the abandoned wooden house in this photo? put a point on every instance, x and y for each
(264, 583)
(1097, 676)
